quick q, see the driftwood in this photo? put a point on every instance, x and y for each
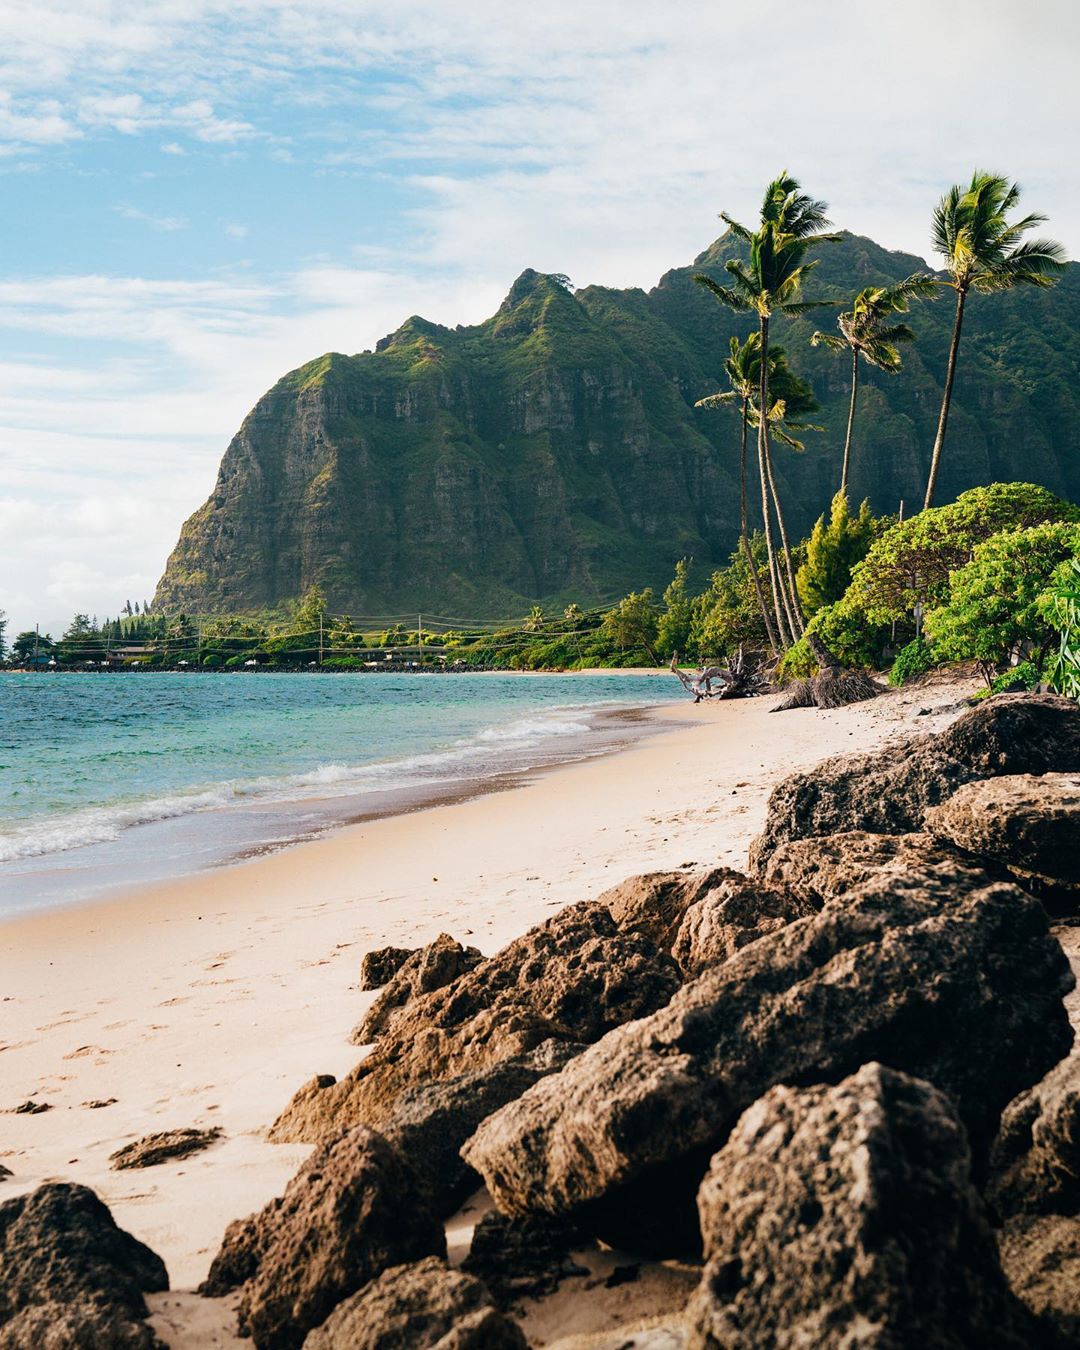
(834, 686)
(738, 678)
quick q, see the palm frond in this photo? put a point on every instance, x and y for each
(724, 294)
(716, 400)
(834, 344)
(739, 231)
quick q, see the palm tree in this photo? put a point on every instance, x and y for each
(984, 252)
(791, 225)
(866, 332)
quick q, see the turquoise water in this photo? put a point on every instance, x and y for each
(133, 776)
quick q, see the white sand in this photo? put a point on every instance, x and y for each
(209, 1000)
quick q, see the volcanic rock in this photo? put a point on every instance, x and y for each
(889, 791)
(1040, 1255)
(423, 1304)
(572, 979)
(654, 904)
(69, 1277)
(1035, 1162)
(380, 966)
(1029, 824)
(734, 913)
(842, 1216)
(354, 1209)
(162, 1147)
(432, 967)
(964, 992)
(524, 1257)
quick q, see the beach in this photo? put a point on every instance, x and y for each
(208, 1000)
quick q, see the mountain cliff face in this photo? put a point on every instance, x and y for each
(553, 452)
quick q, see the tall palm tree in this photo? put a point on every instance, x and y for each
(791, 225)
(983, 252)
(866, 332)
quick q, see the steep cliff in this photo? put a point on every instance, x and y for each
(553, 451)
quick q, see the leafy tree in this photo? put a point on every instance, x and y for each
(3, 630)
(1060, 605)
(310, 612)
(27, 642)
(832, 551)
(673, 625)
(993, 613)
(911, 562)
(728, 614)
(867, 331)
(633, 623)
(791, 225)
(984, 251)
(397, 636)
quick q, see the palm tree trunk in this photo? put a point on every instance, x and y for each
(939, 439)
(791, 594)
(780, 601)
(744, 532)
(850, 420)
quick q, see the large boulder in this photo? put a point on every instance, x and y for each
(1035, 1162)
(823, 867)
(423, 1304)
(734, 913)
(1028, 823)
(354, 1209)
(523, 1257)
(966, 992)
(889, 791)
(654, 903)
(430, 1122)
(843, 1216)
(570, 979)
(69, 1277)
(432, 967)
(1040, 1254)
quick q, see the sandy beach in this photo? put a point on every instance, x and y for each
(209, 1000)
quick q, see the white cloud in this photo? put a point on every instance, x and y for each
(167, 223)
(235, 231)
(173, 148)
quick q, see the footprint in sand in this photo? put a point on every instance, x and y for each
(86, 1051)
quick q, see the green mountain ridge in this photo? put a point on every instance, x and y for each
(553, 451)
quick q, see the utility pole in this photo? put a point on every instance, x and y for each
(37, 634)
(420, 637)
(320, 639)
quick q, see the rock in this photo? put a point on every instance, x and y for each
(5, 1172)
(1035, 1162)
(429, 1123)
(524, 1257)
(889, 791)
(354, 1209)
(31, 1108)
(654, 904)
(419, 1305)
(965, 992)
(729, 917)
(842, 1216)
(1029, 824)
(1040, 1255)
(163, 1146)
(69, 1277)
(380, 966)
(570, 979)
(432, 967)
(825, 866)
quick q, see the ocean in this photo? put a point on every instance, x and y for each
(113, 780)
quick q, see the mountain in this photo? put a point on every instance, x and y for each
(553, 451)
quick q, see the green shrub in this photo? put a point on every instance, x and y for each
(832, 551)
(912, 661)
(343, 663)
(1060, 606)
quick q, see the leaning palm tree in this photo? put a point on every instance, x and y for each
(791, 225)
(984, 252)
(866, 332)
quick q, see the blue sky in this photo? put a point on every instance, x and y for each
(198, 196)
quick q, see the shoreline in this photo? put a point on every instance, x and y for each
(210, 1000)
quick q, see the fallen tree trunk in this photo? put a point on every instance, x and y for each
(737, 679)
(834, 686)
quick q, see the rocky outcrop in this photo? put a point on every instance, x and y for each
(423, 1304)
(890, 791)
(380, 966)
(1036, 1156)
(654, 904)
(69, 1277)
(842, 1216)
(163, 1147)
(1040, 1254)
(734, 913)
(965, 992)
(432, 967)
(570, 979)
(524, 1257)
(354, 1209)
(429, 1123)
(1026, 823)
(826, 866)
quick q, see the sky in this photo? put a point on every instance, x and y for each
(200, 195)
